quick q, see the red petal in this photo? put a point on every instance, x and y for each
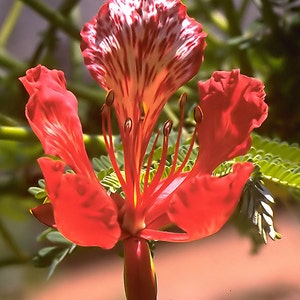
(156, 216)
(44, 213)
(232, 106)
(202, 204)
(83, 211)
(52, 114)
(144, 51)
(165, 236)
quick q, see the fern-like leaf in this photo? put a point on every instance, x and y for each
(278, 161)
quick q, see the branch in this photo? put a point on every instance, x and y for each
(25, 134)
(54, 17)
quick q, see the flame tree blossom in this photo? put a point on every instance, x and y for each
(141, 52)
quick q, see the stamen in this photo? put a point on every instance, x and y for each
(198, 114)
(167, 127)
(142, 111)
(182, 102)
(149, 198)
(129, 162)
(103, 111)
(107, 135)
(166, 131)
(150, 159)
(110, 97)
(187, 156)
(127, 126)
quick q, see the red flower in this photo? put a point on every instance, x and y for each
(144, 51)
(52, 114)
(141, 52)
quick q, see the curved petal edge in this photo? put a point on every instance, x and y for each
(232, 105)
(83, 211)
(203, 203)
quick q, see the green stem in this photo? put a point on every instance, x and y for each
(243, 9)
(49, 36)
(67, 6)
(95, 95)
(14, 261)
(269, 16)
(76, 55)
(234, 30)
(232, 18)
(9, 62)
(7, 121)
(95, 142)
(284, 43)
(25, 134)
(10, 242)
(10, 22)
(54, 17)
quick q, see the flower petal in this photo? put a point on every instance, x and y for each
(156, 213)
(144, 51)
(202, 204)
(52, 114)
(83, 211)
(44, 213)
(232, 105)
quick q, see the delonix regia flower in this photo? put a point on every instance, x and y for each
(141, 52)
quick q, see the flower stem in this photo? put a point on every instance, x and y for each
(9, 23)
(50, 34)
(25, 134)
(11, 243)
(86, 93)
(16, 133)
(139, 275)
(54, 17)
(234, 30)
(9, 62)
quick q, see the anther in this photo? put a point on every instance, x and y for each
(182, 100)
(128, 125)
(109, 99)
(142, 111)
(198, 114)
(167, 127)
(103, 109)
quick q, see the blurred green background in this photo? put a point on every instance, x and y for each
(261, 37)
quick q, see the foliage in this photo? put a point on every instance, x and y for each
(52, 256)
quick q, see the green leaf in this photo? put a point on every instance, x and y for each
(38, 192)
(277, 148)
(57, 238)
(278, 161)
(102, 163)
(59, 258)
(52, 256)
(111, 182)
(45, 256)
